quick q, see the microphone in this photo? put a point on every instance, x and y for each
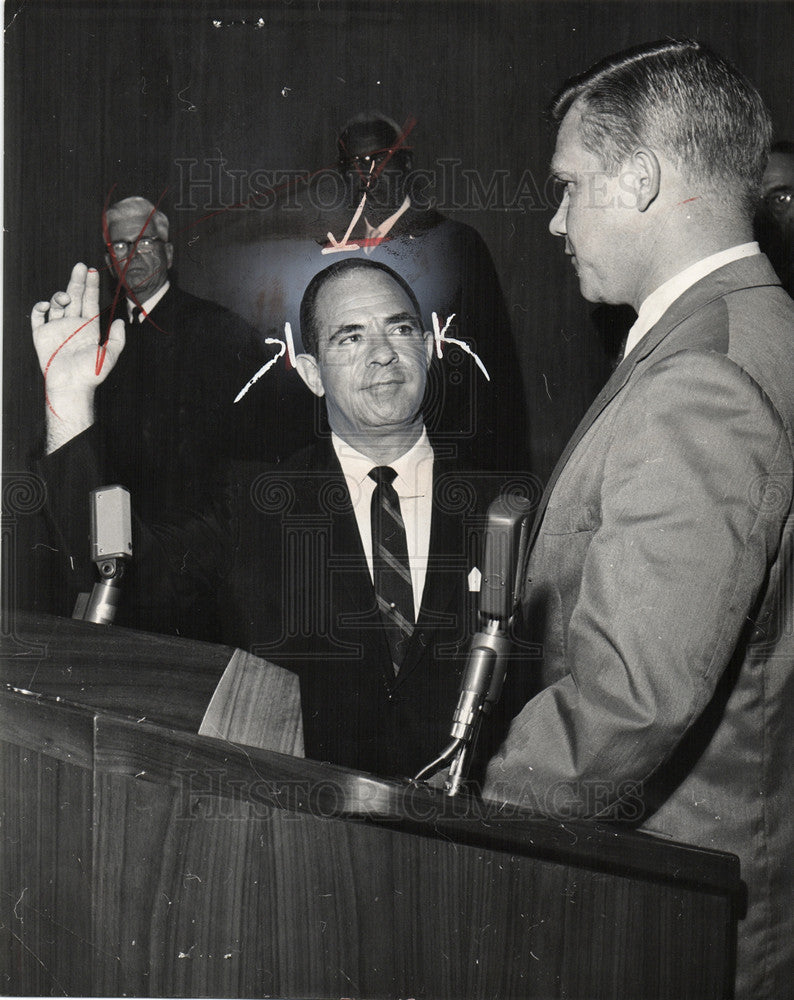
(111, 546)
(505, 541)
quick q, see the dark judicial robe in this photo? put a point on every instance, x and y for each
(166, 412)
(167, 422)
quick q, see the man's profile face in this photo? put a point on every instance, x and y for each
(372, 354)
(595, 218)
(143, 270)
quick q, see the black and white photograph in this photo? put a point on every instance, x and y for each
(398, 500)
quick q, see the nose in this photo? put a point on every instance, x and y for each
(381, 348)
(558, 225)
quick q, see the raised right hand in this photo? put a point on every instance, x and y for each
(66, 335)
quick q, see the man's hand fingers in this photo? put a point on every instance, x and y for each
(76, 289)
(117, 338)
(38, 315)
(57, 305)
(91, 295)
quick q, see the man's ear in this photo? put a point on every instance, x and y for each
(309, 371)
(646, 174)
(169, 253)
(430, 343)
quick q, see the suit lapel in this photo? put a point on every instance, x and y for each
(745, 273)
(325, 498)
(327, 494)
(614, 385)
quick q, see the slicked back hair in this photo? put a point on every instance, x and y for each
(681, 99)
(139, 208)
(310, 333)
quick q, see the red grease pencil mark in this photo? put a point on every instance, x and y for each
(335, 246)
(123, 284)
(399, 144)
(121, 271)
(57, 350)
(120, 268)
(389, 150)
(687, 201)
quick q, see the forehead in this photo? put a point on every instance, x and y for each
(357, 298)
(779, 171)
(570, 156)
(129, 226)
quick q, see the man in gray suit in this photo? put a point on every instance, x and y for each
(659, 575)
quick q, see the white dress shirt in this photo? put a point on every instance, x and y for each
(413, 485)
(149, 304)
(660, 300)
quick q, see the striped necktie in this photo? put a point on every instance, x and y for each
(391, 569)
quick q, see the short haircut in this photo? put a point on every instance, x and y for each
(685, 101)
(139, 208)
(310, 333)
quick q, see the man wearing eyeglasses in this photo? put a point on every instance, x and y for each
(138, 251)
(167, 412)
(166, 417)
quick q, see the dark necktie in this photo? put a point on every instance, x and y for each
(391, 569)
(136, 316)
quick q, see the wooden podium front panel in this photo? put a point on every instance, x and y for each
(141, 859)
(230, 896)
(46, 792)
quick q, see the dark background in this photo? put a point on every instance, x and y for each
(109, 94)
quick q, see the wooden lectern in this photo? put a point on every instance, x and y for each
(142, 859)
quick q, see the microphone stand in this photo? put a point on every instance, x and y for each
(486, 666)
(101, 604)
(480, 690)
(111, 547)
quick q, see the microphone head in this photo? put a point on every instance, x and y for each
(111, 523)
(505, 538)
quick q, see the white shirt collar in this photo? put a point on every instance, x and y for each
(660, 300)
(149, 304)
(357, 467)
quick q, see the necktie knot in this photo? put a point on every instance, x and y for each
(136, 315)
(384, 475)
